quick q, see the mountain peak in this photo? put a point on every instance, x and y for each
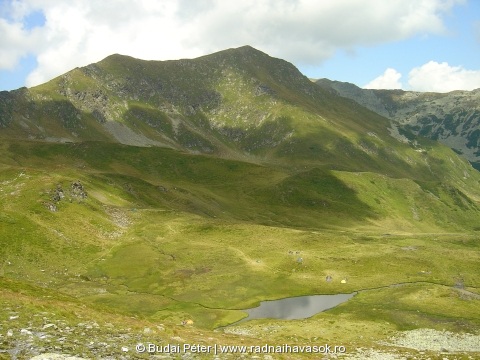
(245, 52)
(242, 51)
(245, 49)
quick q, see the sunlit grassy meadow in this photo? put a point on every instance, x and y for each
(163, 237)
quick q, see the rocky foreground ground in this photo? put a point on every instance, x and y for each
(57, 340)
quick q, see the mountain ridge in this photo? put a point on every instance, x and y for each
(452, 118)
(243, 105)
(167, 102)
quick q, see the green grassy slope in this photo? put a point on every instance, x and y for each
(162, 237)
(297, 196)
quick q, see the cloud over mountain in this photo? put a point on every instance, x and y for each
(431, 76)
(304, 31)
(390, 79)
(441, 77)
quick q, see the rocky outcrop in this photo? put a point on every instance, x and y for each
(76, 192)
(12, 102)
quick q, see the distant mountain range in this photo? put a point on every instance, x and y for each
(452, 118)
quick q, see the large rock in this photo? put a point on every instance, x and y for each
(52, 356)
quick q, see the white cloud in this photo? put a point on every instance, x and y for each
(78, 32)
(13, 44)
(432, 76)
(16, 42)
(390, 79)
(441, 77)
(310, 31)
(82, 32)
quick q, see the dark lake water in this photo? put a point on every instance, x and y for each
(296, 308)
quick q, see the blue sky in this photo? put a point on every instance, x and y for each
(425, 45)
(15, 77)
(458, 46)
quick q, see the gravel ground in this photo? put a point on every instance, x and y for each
(445, 344)
(56, 357)
(371, 354)
(433, 340)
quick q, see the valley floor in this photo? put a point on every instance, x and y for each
(97, 257)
